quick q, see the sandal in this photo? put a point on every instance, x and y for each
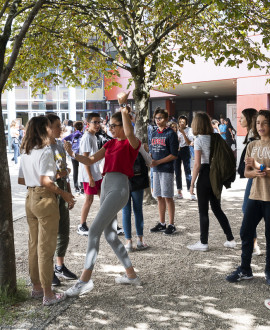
(36, 294)
(142, 245)
(54, 300)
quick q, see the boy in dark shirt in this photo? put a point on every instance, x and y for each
(164, 148)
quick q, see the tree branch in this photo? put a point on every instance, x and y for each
(4, 8)
(18, 42)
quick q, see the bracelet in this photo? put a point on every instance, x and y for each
(73, 155)
(262, 167)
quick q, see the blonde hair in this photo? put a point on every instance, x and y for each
(201, 124)
(14, 123)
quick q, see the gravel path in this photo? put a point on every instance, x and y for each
(181, 289)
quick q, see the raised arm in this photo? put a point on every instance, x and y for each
(128, 129)
(83, 159)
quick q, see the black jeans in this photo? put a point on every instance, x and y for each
(75, 165)
(205, 194)
(255, 211)
(182, 156)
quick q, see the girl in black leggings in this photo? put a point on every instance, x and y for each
(202, 129)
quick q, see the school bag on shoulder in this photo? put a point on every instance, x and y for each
(222, 165)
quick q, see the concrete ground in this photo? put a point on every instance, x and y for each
(181, 289)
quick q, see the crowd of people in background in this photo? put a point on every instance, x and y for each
(108, 160)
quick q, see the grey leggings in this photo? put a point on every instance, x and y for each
(114, 196)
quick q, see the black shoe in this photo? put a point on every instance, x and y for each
(170, 230)
(55, 281)
(158, 228)
(267, 277)
(82, 191)
(120, 231)
(83, 230)
(65, 273)
(239, 275)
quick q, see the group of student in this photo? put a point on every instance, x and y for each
(44, 171)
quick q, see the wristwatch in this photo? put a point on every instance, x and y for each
(123, 105)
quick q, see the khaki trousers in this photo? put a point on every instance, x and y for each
(42, 213)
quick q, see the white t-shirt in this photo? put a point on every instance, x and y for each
(89, 144)
(38, 162)
(202, 142)
(181, 139)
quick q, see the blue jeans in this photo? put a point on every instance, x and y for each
(137, 197)
(16, 148)
(183, 156)
(191, 149)
(246, 196)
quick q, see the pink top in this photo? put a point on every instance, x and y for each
(120, 157)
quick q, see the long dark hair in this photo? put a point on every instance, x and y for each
(250, 115)
(229, 124)
(36, 135)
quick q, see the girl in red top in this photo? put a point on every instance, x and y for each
(120, 154)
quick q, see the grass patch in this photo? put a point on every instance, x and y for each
(8, 302)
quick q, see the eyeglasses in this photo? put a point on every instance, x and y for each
(113, 126)
(95, 122)
(159, 118)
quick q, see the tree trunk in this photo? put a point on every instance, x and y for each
(7, 250)
(141, 95)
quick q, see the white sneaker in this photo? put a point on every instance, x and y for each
(193, 197)
(230, 244)
(178, 196)
(129, 247)
(198, 247)
(267, 303)
(80, 288)
(256, 251)
(125, 280)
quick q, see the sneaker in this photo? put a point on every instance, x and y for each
(83, 230)
(198, 247)
(158, 228)
(80, 288)
(178, 196)
(54, 300)
(129, 247)
(256, 251)
(239, 275)
(55, 281)
(142, 245)
(120, 231)
(193, 197)
(82, 191)
(64, 273)
(230, 244)
(170, 230)
(125, 280)
(37, 294)
(267, 277)
(267, 303)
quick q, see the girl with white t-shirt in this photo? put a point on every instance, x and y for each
(120, 154)
(37, 170)
(202, 128)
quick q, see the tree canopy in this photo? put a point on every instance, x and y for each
(145, 37)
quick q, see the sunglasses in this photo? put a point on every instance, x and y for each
(113, 126)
